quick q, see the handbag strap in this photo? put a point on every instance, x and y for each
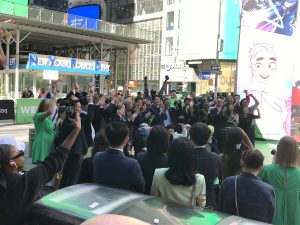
(193, 197)
(235, 196)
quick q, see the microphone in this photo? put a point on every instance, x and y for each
(273, 152)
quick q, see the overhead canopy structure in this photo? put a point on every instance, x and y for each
(56, 31)
(53, 29)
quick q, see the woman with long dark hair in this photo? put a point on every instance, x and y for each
(155, 157)
(236, 143)
(246, 122)
(87, 167)
(18, 192)
(180, 182)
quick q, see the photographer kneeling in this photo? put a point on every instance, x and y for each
(19, 192)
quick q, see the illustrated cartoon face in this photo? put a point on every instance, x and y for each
(263, 63)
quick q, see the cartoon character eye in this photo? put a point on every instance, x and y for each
(272, 66)
(258, 66)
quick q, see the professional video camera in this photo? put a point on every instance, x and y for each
(69, 108)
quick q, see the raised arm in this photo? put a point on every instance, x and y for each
(70, 140)
(247, 140)
(258, 114)
(37, 177)
(146, 90)
(163, 88)
(49, 111)
(256, 102)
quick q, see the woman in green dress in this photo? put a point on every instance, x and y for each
(43, 144)
(284, 176)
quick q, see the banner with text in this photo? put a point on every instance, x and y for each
(63, 64)
(7, 110)
(26, 109)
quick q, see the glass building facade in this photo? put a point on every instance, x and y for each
(145, 60)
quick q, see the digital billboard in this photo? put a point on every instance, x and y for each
(275, 16)
(85, 17)
(230, 29)
(199, 29)
(268, 64)
(14, 7)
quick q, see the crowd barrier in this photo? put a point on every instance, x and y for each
(22, 111)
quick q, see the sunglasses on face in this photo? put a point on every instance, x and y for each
(21, 153)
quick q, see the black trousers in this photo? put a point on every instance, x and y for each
(71, 171)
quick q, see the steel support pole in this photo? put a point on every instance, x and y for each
(127, 66)
(116, 71)
(34, 83)
(7, 64)
(17, 73)
(102, 84)
(218, 50)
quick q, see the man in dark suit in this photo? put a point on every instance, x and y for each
(207, 162)
(86, 122)
(186, 110)
(98, 112)
(157, 113)
(112, 168)
(217, 118)
(171, 114)
(246, 195)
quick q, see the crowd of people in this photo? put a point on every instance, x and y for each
(196, 151)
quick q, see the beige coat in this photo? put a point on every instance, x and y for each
(162, 187)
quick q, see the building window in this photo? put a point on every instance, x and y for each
(169, 46)
(170, 20)
(171, 2)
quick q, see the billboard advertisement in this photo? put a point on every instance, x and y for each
(85, 17)
(274, 16)
(26, 109)
(230, 29)
(14, 7)
(266, 64)
(205, 29)
(197, 35)
(63, 64)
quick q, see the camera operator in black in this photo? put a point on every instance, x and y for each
(72, 166)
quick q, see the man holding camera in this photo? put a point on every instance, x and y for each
(71, 169)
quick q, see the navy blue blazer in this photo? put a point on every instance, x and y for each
(208, 164)
(148, 164)
(159, 118)
(112, 168)
(255, 198)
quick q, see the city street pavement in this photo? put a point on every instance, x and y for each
(21, 133)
